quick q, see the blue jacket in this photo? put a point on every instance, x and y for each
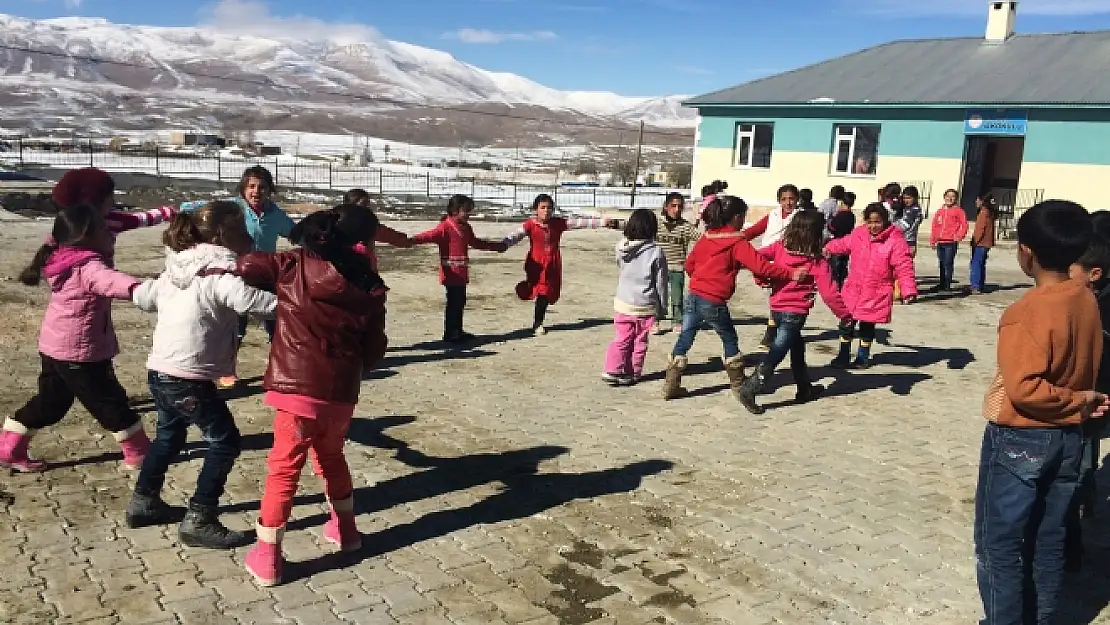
(264, 230)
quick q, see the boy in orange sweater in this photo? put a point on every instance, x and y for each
(1049, 349)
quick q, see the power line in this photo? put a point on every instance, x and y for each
(354, 96)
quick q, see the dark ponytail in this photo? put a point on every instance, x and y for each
(332, 235)
(75, 226)
(723, 210)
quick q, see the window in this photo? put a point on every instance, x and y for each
(753, 145)
(855, 149)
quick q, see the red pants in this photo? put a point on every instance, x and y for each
(294, 436)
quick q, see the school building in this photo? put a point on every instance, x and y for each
(1027, 116)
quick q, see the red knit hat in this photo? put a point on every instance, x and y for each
(84, 186)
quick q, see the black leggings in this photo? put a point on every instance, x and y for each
(866, 332)
(541, 311)
(94, 384)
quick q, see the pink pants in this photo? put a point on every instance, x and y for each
(293, 437)
(628, 350)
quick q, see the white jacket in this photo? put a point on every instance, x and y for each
(199, 303)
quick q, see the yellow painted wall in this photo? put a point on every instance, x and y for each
(811, 169)
(1078, 183)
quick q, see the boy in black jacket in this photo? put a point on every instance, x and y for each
(1094, 267)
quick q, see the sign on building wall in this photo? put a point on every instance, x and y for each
(1004, 122)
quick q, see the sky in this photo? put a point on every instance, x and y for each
(632, 47)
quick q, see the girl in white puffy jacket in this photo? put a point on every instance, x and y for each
(199, 301)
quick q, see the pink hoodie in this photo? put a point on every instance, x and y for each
(874, 263)
(77, 326)
(798, 297)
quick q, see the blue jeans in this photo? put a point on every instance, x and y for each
(788, 340)
(1027, 479)
(946, 258)
(978, 275)
(182, 403)
(697, 310)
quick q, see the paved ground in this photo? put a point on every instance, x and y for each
(507, 484)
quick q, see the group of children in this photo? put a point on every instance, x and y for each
(326, 304)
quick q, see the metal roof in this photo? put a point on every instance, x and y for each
(1064, 68)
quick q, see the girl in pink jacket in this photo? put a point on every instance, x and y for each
(77, 341)
(878, 255)
(791, 301)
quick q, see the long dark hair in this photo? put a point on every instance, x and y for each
(989, 203)
(332, 234)
(208, 222)
(74, 226)
(262, 174)
(805, 234)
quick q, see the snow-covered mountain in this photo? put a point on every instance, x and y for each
(177, 74)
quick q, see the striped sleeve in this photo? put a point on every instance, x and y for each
(119, 221)
(586, 223)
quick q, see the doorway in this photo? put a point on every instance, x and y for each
(992, 164)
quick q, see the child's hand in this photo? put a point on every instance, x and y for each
(501, 247)
(1094, 405)
(408, 243)
(800, 274)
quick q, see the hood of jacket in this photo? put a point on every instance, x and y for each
(185, 266)
(66, 258)
(721, 240)
(792, 260)
(629, 250)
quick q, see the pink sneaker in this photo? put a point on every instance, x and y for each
(264, 560)
(340, 530)
(134, 443)
(13, 450)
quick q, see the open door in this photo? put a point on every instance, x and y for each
(975, 166)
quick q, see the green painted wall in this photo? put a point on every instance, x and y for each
(1080, 136)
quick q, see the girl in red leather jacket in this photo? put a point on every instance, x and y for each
(330, 327)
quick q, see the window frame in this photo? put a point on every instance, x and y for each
(853, 140)
(751, 135)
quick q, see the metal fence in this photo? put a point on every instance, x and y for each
(322, 174)
(1011, 204)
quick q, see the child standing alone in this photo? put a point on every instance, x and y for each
(331, 311)
(198, 301)
(948, 230)
(641, 292)
(800, 247)
(676, 236)
(1049, 349)
(712, 265)
(455, 237)
(77, 341)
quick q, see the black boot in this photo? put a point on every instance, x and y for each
(202, 528)
(844, 357)
(148, 510)
(752, 387)
(808, 392)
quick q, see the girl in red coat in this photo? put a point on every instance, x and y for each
(543, 267)
(455, 237)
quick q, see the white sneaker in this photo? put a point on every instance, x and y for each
(612, 379)
(540, 331)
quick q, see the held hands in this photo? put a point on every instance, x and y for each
(1094, 405)
(800, 274)
(501, 247)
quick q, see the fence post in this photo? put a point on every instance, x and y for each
(595, 196)
(330, 182)
(428, 185)
(91, 162)
(219, 168)
(157, 168)
(20, 140)
(473, 188)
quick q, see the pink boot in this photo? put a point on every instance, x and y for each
(340, 530)
(14, 440)
(134, 443)
(264, 561)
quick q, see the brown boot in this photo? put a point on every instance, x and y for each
(734, 367)
(672, 384)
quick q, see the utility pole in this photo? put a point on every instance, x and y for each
(636, 172)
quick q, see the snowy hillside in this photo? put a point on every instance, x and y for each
(279, 76)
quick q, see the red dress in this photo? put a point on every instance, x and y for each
(543, 266)
(454, 238)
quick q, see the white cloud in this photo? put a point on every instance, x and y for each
(969, 8)
(483, 36)
(252, 17)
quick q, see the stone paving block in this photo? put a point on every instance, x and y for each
(141, 608)
(77, 599)
(515, 606)
(295, 595)
(369, 616)
(162, 561)
(427, 574)
(349, 596)
(404, 599)
(311, 614)
(258, 613)
(480, 578)
(459, 601)
(176, 587)
(500, 557)
(195, 611)
(427, 617)
(486, 617)
(235, 592)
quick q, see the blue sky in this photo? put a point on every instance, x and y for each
(633, 47)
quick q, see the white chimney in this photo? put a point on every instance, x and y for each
(1001, 18)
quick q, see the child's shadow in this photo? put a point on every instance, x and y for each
(850, 383)
(1085, 595)
(524, 495)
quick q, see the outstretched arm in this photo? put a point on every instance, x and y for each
(119, 221)
(514, 237)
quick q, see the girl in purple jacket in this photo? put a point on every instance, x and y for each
(878, 256)
(77, 341)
